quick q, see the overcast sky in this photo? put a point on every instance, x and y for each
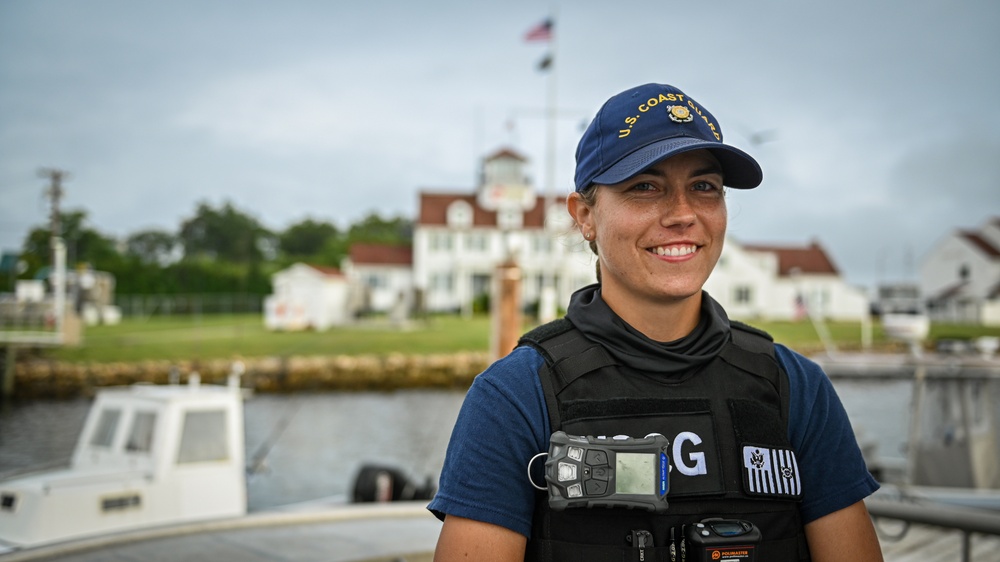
(882, 118)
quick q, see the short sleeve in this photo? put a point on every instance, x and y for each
(502, 424)
(832, 468)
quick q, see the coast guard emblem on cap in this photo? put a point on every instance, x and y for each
(679, 114)
(771, 472)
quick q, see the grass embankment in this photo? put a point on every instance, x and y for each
(230, 336)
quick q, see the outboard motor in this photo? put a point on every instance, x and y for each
(380, 484)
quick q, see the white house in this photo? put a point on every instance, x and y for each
(384, 274)
(459, 239)
(307, 297)
(783, 283)
(960, 276)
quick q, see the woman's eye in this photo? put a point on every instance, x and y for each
(705, 186)
(644, 186)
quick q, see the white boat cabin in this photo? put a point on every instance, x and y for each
(148, 455)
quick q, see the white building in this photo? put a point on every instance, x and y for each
(384, 274)
(783, 283)
(460, 238)
(307, 297)
(960, 276)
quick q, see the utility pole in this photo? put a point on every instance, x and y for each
(58, 277)
(58, 271)
(54, 193)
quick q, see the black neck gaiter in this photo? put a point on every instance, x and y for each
(592, 316)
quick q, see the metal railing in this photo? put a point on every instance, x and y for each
(966, 520)
(144, 306)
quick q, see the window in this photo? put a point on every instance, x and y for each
(441, 282)
(743, 295)
(376, 281)
(140, 435)
(204, 437)
(476, 242)
(481, 284)
(509, 219)
(541, 244)
(459, 215)
(121, 503)
(104, 433)
(440, 241)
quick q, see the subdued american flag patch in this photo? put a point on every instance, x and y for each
(771, 472)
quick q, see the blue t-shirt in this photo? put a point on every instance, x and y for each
(504, 423)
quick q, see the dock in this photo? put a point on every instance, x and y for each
(397, 532)
(924, 543)
(394, 532)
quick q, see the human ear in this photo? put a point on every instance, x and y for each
(581, 212)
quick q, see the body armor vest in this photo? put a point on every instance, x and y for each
(727, 422)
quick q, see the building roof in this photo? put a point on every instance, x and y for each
(325, 270)
(796, 259)
(993, 292)
(980, 243)
(505, 153)
(434, 210)
(949, 292)
(381, 254)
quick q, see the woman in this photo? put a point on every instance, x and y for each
(647, 351)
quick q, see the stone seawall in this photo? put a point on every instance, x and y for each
(44, 379)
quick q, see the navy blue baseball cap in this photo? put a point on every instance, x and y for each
(644, 125)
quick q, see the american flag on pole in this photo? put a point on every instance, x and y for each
(801, 311)
(541, 32)
(771, 472)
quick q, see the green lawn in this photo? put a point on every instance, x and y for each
(229, 336)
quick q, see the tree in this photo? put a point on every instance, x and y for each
(83, 244)
(225, 234)
(307, 238)
(151, 247)
(373, 228)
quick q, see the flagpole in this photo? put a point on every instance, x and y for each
(547, 300)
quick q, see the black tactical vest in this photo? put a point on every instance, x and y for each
(727, 423)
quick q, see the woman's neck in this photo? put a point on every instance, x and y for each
(658, 320)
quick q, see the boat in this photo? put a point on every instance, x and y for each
(159, 461)
(148, 455)
(953, 441)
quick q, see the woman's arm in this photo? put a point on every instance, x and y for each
(467, 539)
(846, 535)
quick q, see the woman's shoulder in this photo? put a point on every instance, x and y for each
(514, 374)
(805, 376)
(792, 360)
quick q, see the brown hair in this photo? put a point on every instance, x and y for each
(589, 197)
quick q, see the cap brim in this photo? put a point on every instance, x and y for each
(739, 169)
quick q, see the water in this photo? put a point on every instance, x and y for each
(314, 444)
(325, 439)
(330, 436)
(879, 411)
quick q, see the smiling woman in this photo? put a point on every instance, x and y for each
(757, 434)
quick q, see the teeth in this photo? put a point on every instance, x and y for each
(675, 251)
